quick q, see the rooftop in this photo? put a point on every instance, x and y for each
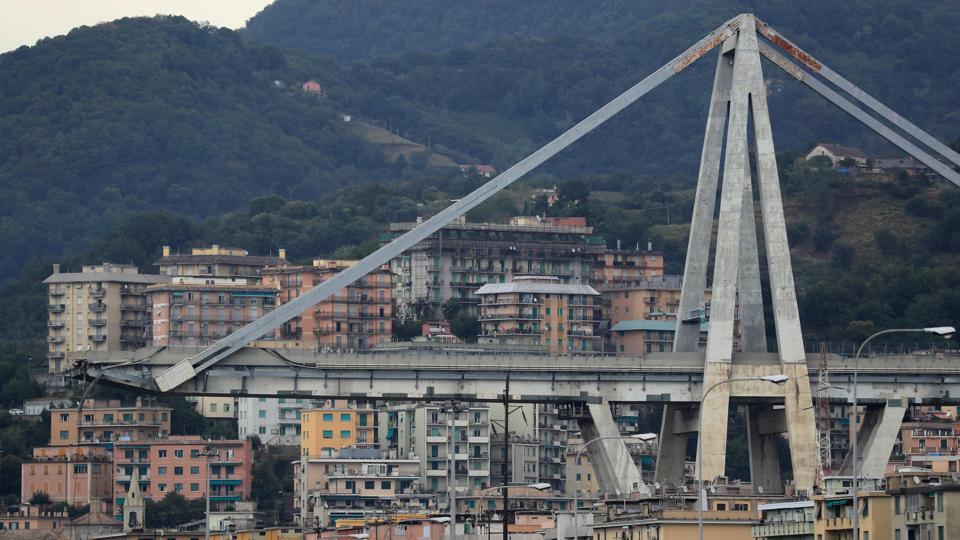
(536, 285)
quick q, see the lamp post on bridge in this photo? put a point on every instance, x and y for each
(945, 332)
(645, 437)
(701, 493)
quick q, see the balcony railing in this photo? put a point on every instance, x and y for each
(55, 324)
(56, 308)
(97, 322)
(99, 338)
(97, 308)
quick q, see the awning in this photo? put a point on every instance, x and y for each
(838, 502)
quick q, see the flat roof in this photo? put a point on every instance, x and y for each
(539, 288)
(91, 277)
(785, 505)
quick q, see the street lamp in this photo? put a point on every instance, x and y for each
(778, 379)
(539, 486)
(945, 332)
(208, 453)
(639, 436)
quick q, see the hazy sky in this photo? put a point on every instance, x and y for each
(23, 22)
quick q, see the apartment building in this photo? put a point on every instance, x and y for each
(336, 425)
(177, 464)
(357, 483)
(357, 317)
(234, 265)
(275, 421)
(523, 467)
(100, 308)
(106, 421)
(195, 312)
(929, 439)
(421, 432)
(626, 266)
(554, 432)
(788, 520)
(76, 475)
(462, 257)
(541, 311)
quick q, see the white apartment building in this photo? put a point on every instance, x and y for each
(276, 421)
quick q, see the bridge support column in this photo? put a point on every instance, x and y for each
(679, 421)
(610, 458)
(764, 425)
(879, 428)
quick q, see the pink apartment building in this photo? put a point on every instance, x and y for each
(177, 465)
(76, 475)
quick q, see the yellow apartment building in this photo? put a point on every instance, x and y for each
(324, 431)
(541, 311)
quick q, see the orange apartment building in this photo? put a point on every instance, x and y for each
(541, 311)
(930, 440)
(76, 475)
(177, 464)
(103, 421)
(357, 317)
(190, 312)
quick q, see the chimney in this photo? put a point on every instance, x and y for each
(56, 268)
(618, 244)
(166, 251)
(649, 245)
(282, 253)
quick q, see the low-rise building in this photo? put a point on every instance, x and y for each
(356, 484)
(789, 520)
(924, 506)
(105, 421)
(626, 266)
(679, 525)
(834, 511)
(275, 421)
(838, 154)
(77, 475)
(177, 465)
(29, 517)
(357, 317)
(541, 311)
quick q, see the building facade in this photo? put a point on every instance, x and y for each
(357, 484)
(216, 262)
(100, 308)
(195, 312)
(275, 421)
(335, 425)
(106, 421)
(76, 475)
(537, 311)
(626, 266)
(357, 317)
(178, 464)
(462, 257)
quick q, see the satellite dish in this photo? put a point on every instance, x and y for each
(712, 489)
(760, 489)
(656, 485)
(916, 479)
(684, 489)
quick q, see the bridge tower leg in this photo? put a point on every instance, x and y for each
(879, 427)
(611, 460)
(739, 96)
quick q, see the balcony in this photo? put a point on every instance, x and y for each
(133, 339)
(436, 472)
(97, 308)
(782, 529)
(56, 356)
(56, 292)
(478, 440)
(479, 472)
(920, 516)
(55, 324)
(99, 338)
(436, 438)
(837, 524)
(133, 323)
(132, 307)
(98, 293)
(97, 322)
(56, 308)
(55, 339)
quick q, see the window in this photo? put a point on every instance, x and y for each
(178, 471)
(162, 488)
(178, 488)
(178, 454)
(369, 484)
(345, 417)
(161, 453)
(721, 507)
(327, 434)
(161, 470)
(64, 435)
(385, 484)
(262, 413)
(940, 501)
(940, 532)
(896, 534)
(261, 430)
(194, 487)
(195, 470)
(213, 407)
(194, 453)
(740, 507)
(328, 417)
(345, 434)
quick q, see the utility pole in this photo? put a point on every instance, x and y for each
(208, 453)
(823, 419)
(452, 409)
(506, 455)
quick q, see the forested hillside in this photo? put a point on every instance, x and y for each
(163, 113)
